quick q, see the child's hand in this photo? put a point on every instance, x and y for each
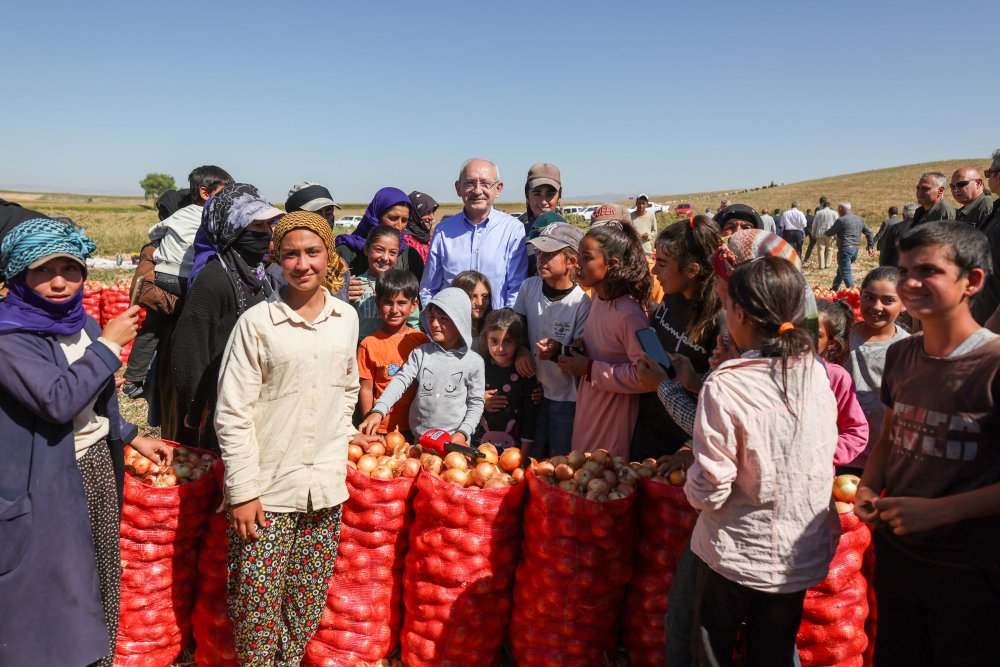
(689, 378)
(722, 351)
(156, 451)
(907, 515)
(369, 426)
(683, 458)
(122, 329)
(245, 517)
(547, 348)
(575, 364)
(864, 505)
(459, 438)
(524, 363)
(362, 440)
(537, 394)
(355, 289)
(495, 403)
(651, 374)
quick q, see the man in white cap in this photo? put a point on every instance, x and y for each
(644, 221)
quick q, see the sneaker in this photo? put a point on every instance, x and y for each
(132, 390)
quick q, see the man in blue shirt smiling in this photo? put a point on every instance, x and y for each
(479, 238)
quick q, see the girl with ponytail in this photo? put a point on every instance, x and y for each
(764, 437)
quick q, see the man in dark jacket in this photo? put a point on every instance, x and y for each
(967, 189)
(986, 302)
(930, 198)
(848, 230)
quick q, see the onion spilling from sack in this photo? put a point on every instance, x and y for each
(594, 475)
(187, 466)
(845, 487)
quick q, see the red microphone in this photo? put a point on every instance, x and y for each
(439, 442)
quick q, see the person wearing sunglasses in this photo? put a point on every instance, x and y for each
(968, 190)
(986, 305)
(479, 238)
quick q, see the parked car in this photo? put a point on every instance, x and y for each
(571, 210)
(348, 221)
(588, 212)
(684, 209)
(654, 207)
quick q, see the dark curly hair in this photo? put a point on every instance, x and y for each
(631, 274)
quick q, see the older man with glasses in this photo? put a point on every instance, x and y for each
(968, 190)
(479, 237)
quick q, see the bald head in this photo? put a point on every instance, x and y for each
(966, 185)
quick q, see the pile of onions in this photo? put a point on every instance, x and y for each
(493, 470)
(594, 475)
(388, 458)
(661, 471)
(187, 466)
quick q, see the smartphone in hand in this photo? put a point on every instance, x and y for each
(651, 345)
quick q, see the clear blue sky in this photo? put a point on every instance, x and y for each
(660, 97)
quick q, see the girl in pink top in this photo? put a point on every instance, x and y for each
(613, 264)
(835, 320)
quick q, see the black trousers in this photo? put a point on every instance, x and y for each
(933, 615)
(721, 606)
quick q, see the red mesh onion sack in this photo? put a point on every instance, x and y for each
(114, 302)
(213, 630)
(576, 562)
(161, 530)
(459, 573)
(871, 623)
(364, 604)
(832, 633)
(665, 524)
(92, 302)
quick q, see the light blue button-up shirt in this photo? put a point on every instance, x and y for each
(495, 247)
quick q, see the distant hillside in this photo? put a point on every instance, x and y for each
(870, 192)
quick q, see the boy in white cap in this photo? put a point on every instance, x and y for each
(556, 310)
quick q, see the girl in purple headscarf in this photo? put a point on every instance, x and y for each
(392, 207)
(62, 459)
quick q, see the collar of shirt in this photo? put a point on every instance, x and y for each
(481, 225)
(282, 312)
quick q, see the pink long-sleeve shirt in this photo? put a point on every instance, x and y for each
(852, 426)
(607, 402)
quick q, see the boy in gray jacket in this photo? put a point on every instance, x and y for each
(450, 377)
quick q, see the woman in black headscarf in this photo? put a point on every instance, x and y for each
(227, 278)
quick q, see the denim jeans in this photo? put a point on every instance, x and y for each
(845, 258)
(553, 429)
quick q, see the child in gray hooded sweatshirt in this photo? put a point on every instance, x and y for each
(450, 378)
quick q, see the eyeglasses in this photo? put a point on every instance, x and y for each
(962, 184)
(990, 173)
(472, 186)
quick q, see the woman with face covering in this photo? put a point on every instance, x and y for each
(228, 278)
(420, 227)
(392, 207)
(62, 454)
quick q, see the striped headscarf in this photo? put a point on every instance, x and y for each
(39, 238)
(336, 269)
(749, 244)
(30, 243)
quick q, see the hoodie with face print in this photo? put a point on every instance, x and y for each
(450, 383)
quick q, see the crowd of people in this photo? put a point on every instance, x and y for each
(277, 344)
